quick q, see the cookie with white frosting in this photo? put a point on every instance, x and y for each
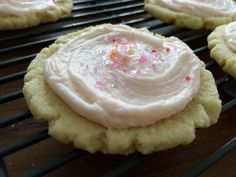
(222, 43)
(193, 14)
(19, 14)
(116, 89)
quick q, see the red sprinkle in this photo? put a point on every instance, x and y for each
(187, 78)
(168, 49)
(153, 50)
(126, 70)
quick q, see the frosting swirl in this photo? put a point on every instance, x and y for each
(22, 7)
(122, 77)
(230, 35)
(201, 7)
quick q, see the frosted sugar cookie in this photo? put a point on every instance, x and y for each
(222, 42)
(117, 89)
(19, 14)
(193, 14)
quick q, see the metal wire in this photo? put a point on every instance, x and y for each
(20, 116)
(22, 143)
(106, 11)
(12, 77)
(202, 166)
(124, 167)
(3, 169)
(53, 164)
(52, 27)
(11, 96)
(16, 60)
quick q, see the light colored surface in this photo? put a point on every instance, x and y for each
(121, 77)
(23, 7)
(184, 19)
(203, 8)
(230, 35)
(221, 52)
(29, 18)
(67, 126)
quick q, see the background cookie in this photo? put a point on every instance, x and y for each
(221, 52)
(184, 19)
(67, 126)
(30, 19)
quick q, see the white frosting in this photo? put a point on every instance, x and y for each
(122, 77)
(21, 7)
(230, 35)
(201, 7)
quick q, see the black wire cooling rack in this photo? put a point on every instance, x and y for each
(20, 47)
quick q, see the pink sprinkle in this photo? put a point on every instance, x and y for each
(167, 49)
(154, 66)
(116, 64)
(143, 59)
(187, 78)
(100, 85)
(95, 70)
(156, 57)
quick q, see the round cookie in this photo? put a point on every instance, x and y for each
(35, 17)
(221, 51)
(183, 19)
(67, 126)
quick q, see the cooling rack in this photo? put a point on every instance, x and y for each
(26, 150)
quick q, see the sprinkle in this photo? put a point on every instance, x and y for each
(143, 59)
(133, 72)
(113, 54)
(125, 70)
(116, 64)
(119, 61)
(130, 51)
(107, 62)
(100, 85)
(124, 60)
(127, 41)
(154, 50)
(187, 78)
(154, 66)
(167, 49)
(156, 57)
